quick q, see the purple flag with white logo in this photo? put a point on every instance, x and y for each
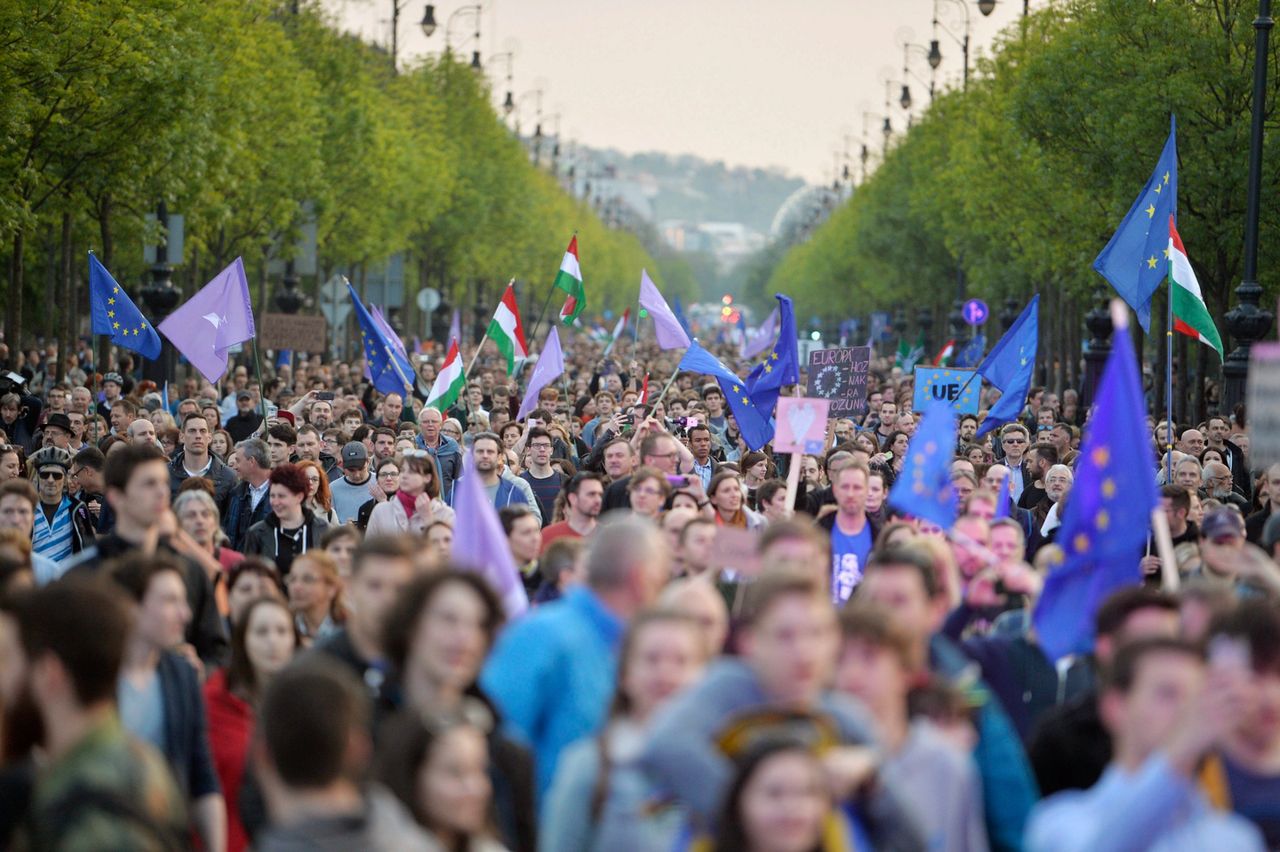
(764, 337)
(671, 334)
(212, 321)
(480, 544)
(549, 367)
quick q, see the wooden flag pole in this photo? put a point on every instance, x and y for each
(262, 397)
(793, 470)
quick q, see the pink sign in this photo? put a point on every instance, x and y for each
(801, 424)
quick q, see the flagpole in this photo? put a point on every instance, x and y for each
(262, 397)
(480, 346)
(1168, 381)
(675, 372)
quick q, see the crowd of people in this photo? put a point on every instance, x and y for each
(237, 616)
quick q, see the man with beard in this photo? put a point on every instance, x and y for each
(583, 496)
(501, 491)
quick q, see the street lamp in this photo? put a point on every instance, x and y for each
(907, 49)
(428, 21)
(1246, 321)
(986, 7)
(935, 52)
(509, 57)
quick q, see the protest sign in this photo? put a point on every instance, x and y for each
(802, 425)
(943, 384)
(840, 376)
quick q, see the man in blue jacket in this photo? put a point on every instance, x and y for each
(502, 491)
(552, 673)
(443, 449)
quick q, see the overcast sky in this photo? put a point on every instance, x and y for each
(745, 81)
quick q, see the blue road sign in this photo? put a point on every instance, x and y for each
(975, 312)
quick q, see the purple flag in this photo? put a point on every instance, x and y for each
(764, 337)
(216, 318)
(549, 367)
(670, 334)
(1002, 498)
(455, 329)
(479, 543)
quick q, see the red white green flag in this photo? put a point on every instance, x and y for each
(617, 331)
(1190, 314)
(507, 331)
(944, 356)
(569, 279)
(449, 381)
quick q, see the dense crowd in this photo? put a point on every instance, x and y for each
(236, 616)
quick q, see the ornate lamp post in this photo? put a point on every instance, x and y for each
(1098, 321)
(161, 298)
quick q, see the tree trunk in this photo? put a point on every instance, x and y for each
(65, 340)
(52, 276)
(105, 208)
(13, 330)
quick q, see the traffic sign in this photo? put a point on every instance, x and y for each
(428, 299)
(975, 312)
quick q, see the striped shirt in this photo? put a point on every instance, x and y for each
(53, 540)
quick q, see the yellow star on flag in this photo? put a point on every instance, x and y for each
(111, 314)
(1151, 262)
(1166, 177)
(115, 289)
(1080, 543)
(1151, 211)
(1101, 456)
(746, 401)
(768, 368)
(111, 301)
(1103, 520)
(115, 325)
(1158, 188)
(1108, 488)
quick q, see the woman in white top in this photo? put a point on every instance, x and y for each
(417, 504)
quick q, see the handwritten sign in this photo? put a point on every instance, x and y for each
(943, 384)
(1263, 404)
(840, 376)
(802, 424)
(293, 331)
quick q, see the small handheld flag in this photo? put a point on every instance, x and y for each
(1010, 366)
(114, 314)
(449, 381)
(782, 367)
(756, 429)
(389, 370)
(506, 329)
(479, 543)
(1190, 315)
(924, 489)
(549, 367)
(618, 329)
(666, 327)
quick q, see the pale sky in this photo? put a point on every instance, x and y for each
(745, 81)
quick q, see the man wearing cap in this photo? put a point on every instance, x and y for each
(246, 420)
(112, 384)
(57, 431)
(62, 525)
(351, 490)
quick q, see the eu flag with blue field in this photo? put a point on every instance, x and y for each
(1010, 365)
(756, 429)
(388, 370)
(114, 314)
(1136, 261)
(782, 367)
(1108, 513)
(923, 489)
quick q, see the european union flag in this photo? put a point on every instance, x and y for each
(1108, 515)
(1009, 366)
(972, 352)
(388, 370)
(756, 429)
(1136, 261)
(782, 367)
(923, 489)
(115, 314)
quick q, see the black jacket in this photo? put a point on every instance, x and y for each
(223, 479)
(205, 632)
(83, 529)
(242, 426)
(263, 538)
(240, 515)
(186, 729)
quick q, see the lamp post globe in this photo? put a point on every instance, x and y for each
(428, 20)
(935, 54)
(905, 100)
(986, 7)
(475, 60)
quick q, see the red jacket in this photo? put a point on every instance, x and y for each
(230, 728)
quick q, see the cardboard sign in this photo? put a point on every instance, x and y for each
(1262, 400)
(840, 376)
(944, 384)
(293, 331)
(737, 550)
(802, 424)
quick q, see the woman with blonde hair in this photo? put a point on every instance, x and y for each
(315, 595)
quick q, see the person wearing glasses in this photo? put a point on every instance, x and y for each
(416, 503)
(62, 524)
(386, 480)
(1015, 440)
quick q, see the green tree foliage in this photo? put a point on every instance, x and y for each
(1020, 180)
(251, 117)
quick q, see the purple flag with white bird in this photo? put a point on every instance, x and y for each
(212, 321)
(549, 367)
(480, 544)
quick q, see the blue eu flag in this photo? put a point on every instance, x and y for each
(923, 489)
(390, 372)
(1136, 261)
(782, 367)
(114, 314)
(756, 429)
(972, 352)
(1009, 366)
(1108, 513)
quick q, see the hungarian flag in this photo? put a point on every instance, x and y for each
(644, 390)
(449, 381)
(944, 357)
(1190, 316)
(507, 331)
(569, 279)
(617, 331)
